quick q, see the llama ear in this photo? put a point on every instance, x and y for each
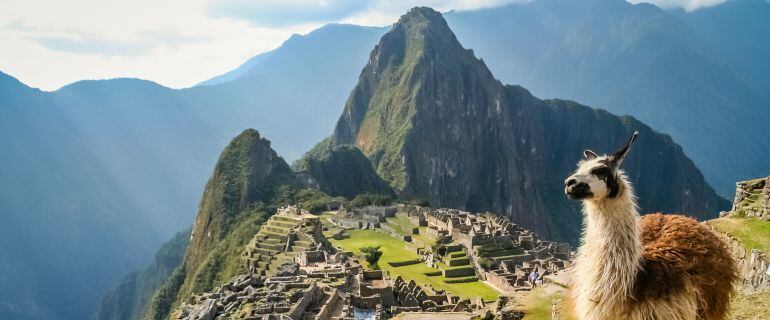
(590, 155)
(618, 157)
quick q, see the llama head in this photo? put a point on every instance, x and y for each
(599, 177)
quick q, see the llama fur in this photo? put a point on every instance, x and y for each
(650, 267)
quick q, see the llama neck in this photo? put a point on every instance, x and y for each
(611, 248)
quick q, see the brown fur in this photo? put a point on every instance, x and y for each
(680, 252)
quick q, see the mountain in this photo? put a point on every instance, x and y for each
(247, 173)
(341, 171)
(293, 93)
(97, 175)
(740, 29)
(248, 178)
(438, 126)
(639, 60)
(130, 299)
(320, 51)
(84, 194)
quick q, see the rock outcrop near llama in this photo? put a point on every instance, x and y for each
(752, 199)
(438, 126)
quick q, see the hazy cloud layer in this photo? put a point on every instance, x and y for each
(688, 5)
(281, 13)
(178, 43)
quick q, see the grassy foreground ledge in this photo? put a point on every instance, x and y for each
(752, 233)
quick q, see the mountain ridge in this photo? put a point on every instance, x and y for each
(437, 125)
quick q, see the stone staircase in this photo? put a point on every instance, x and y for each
(280, 239)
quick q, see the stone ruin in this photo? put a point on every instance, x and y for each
(510, 251)
(293, 272)
(752, 199)
(286, 235)
(369, 217)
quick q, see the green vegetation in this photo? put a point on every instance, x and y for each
(438, 248)
(163, 301)
(372, 256)
(132, 297)
(370, 199)
(486, 263)
(752, 233)
(342, 171)
(223, 262)
(538, 304)
(309, 199)
(394, 250)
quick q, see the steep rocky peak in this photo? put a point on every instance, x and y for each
(246, 175)
(422, 22)
(419, 34)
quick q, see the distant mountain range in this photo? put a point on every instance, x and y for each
(96, 175)
(645, 62)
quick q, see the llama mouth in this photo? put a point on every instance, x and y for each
(578, 194)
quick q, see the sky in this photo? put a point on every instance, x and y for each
(178, 43)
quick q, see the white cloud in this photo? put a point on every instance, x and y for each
(178, 43)
(48, 44)
(387, 12)
(279, 13)
(688, 5)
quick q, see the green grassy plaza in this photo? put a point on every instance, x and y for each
(394, 250)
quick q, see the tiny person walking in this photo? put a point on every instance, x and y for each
(533, 278)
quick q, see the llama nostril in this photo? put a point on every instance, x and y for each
(571, 182)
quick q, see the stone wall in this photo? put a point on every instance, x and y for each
(753, 266)
(326, 310)
(309, 296)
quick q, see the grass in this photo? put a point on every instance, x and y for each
(395, 250)
(752, 233)
(538, 303)
(750, 307)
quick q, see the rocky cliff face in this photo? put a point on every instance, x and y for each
(752, 198)
(438, 126)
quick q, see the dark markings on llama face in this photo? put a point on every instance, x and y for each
(612, 185)
(608, 174)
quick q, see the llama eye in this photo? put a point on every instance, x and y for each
(601, 172)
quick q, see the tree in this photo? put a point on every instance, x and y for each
(439, 248)
(486, 263)
(372, 256)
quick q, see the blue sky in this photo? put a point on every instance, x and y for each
(178, 43)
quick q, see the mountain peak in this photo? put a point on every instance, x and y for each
(247, 173)
(421, 15)
(427, 26)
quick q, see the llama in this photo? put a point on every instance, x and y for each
(650, 267)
